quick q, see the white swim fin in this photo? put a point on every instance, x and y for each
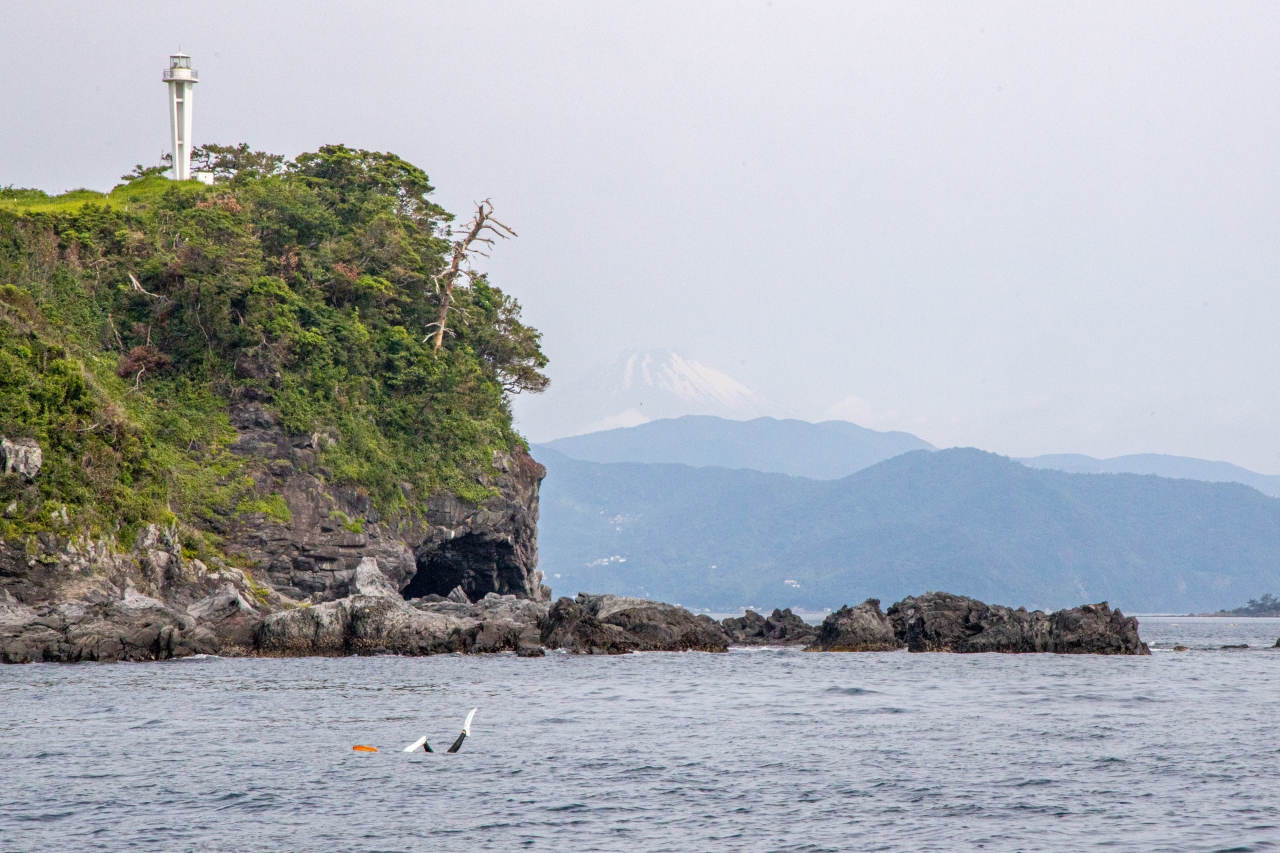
(420, 743)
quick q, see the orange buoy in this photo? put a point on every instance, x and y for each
(358, 748)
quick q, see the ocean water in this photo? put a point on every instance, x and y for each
(754, 750)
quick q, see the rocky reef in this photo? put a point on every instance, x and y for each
(612, 624)
(941, 622)
(239, 617)
(857, 629)
(782, 628)
(377, 620)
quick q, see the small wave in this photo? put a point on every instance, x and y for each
(850, 691)
(881, 711)
(149, 724)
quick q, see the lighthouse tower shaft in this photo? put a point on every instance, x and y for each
(182, 83)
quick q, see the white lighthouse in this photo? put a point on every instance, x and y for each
(182, 83)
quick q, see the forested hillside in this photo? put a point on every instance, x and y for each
(958, 520)
(131, 322)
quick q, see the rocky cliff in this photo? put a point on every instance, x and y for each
(224, 403)
(311, 553)
(309, 580)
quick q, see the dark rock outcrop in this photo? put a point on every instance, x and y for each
(942, 622)
(68, 598)
(611, 624)
(571, 627)
(856, 629)
(782, 628)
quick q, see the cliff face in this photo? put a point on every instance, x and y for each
(487, 547)
(69, 598)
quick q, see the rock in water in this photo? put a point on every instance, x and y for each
(571, 627)
(135, 628)
(782, 628)
(745, 628)
(942, 622)
(612, 624)
(856, 629)
(1095, 629)
(20, 456)
(380, 624)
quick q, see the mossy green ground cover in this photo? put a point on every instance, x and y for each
(130, 323)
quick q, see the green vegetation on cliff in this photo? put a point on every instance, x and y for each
(131, 323)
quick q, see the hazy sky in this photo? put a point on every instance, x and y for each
(1029, 227)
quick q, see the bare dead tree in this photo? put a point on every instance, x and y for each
(479, 230)
(140, 289)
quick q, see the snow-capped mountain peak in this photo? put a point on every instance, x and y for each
(687, 379)
(639, 386)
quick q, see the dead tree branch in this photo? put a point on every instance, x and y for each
(140, 289)
(479, 230)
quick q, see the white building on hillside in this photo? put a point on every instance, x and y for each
(182, 83)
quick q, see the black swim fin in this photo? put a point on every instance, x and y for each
(466, 730)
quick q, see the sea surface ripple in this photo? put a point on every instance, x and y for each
(751, 750)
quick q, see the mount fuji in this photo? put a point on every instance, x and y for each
(637, 387)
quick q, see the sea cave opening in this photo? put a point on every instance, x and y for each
(477, 564)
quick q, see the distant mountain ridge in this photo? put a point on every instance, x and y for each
(1161, 465)
(822, 451)
(961, 520)
(833, 449)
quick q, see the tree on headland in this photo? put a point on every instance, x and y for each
(1268, 605)
(229, 161)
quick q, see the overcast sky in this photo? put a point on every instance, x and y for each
(1027, 227)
